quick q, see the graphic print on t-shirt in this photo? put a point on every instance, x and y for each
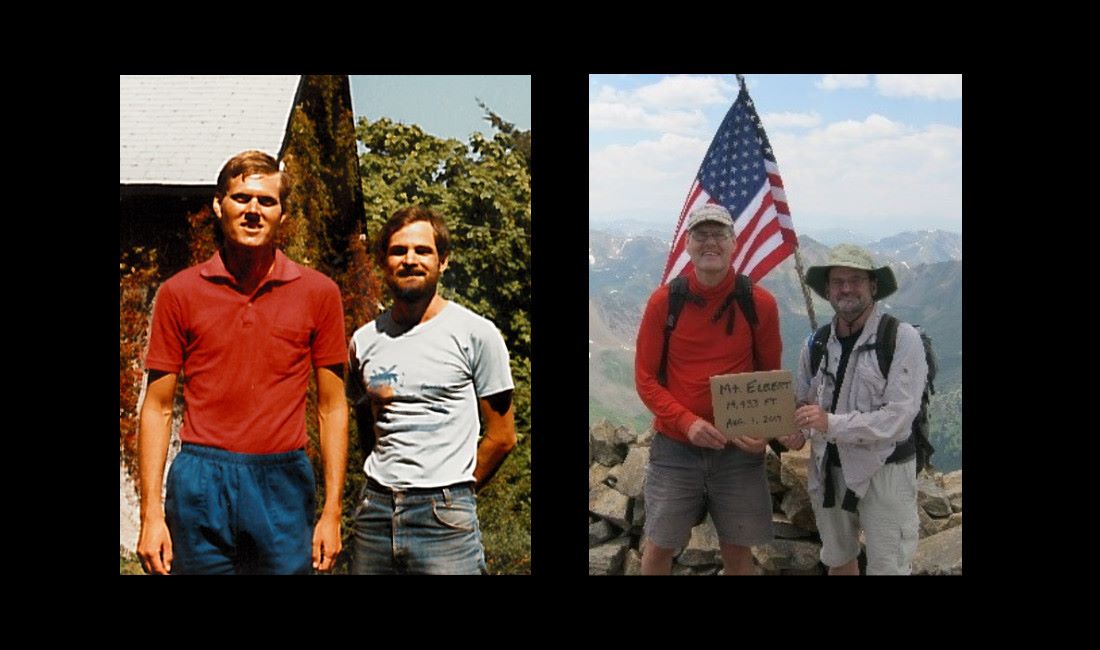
(381, 388)
(384, 377)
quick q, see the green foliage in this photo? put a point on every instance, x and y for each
(946, 418)
(320, 156)
(128, 564)
(504, 511)
(353, 485)
(401, 167)
(521, 140)
(521, 396)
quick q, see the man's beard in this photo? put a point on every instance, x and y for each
(852, 308)
(414, 294)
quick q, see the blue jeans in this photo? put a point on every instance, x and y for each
(417, 532)
(240, 513)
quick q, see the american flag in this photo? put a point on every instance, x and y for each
(739, 173)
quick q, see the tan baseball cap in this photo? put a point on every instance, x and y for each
(709, 212)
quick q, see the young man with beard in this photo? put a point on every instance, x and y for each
(420, 375)
(863, 474)
(244, 327)
(693, 469)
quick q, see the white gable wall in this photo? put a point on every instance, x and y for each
(180, 129)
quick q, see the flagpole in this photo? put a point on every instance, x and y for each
(797, 257)
(805, 289)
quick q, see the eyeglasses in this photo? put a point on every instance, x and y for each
(702, 236)
(856, 282)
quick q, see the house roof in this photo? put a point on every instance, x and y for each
(180, 130)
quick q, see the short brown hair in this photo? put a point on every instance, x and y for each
(404, 217)
(248, 163)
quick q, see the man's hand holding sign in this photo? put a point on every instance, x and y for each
(751, 408)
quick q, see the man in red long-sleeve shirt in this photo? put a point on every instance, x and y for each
(693, 468)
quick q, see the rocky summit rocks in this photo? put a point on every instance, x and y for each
(616, 487)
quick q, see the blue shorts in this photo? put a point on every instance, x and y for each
(684, 482)
(240, 513)
(421, 531)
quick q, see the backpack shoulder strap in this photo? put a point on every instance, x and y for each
(677, 294)
(817, 346)
(743, 290)
(930, 359)
(886, 339)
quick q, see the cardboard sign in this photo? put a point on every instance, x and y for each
(757, 404)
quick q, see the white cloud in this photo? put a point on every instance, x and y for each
(671, 105)
(875, 126)
(837, 81)
(780, 120)
(617, 115)
(925, 86)
(644, 180)
(877, 175)
(683, 91)
(609, 95)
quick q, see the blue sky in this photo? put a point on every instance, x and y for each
(443, 105)
(875, 154)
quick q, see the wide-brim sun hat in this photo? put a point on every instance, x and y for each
(853, 257)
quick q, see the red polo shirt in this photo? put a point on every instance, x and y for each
(246, 359)
(699, 349)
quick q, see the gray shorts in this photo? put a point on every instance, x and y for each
(684, 482)
(887, 515)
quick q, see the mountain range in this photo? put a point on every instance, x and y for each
(624, 271)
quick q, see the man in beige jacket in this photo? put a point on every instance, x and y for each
(863, 471)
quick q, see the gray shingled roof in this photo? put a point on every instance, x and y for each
(180, 130)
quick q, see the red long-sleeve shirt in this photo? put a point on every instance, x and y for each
(698, 350)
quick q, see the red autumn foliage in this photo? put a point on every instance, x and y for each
(359, 285)
(135, 292)
(203, 241)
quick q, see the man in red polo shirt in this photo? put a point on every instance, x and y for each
(244, 327)
(693, 469)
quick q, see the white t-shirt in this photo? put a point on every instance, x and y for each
(429, 380)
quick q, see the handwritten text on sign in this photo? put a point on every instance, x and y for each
(757, 404)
